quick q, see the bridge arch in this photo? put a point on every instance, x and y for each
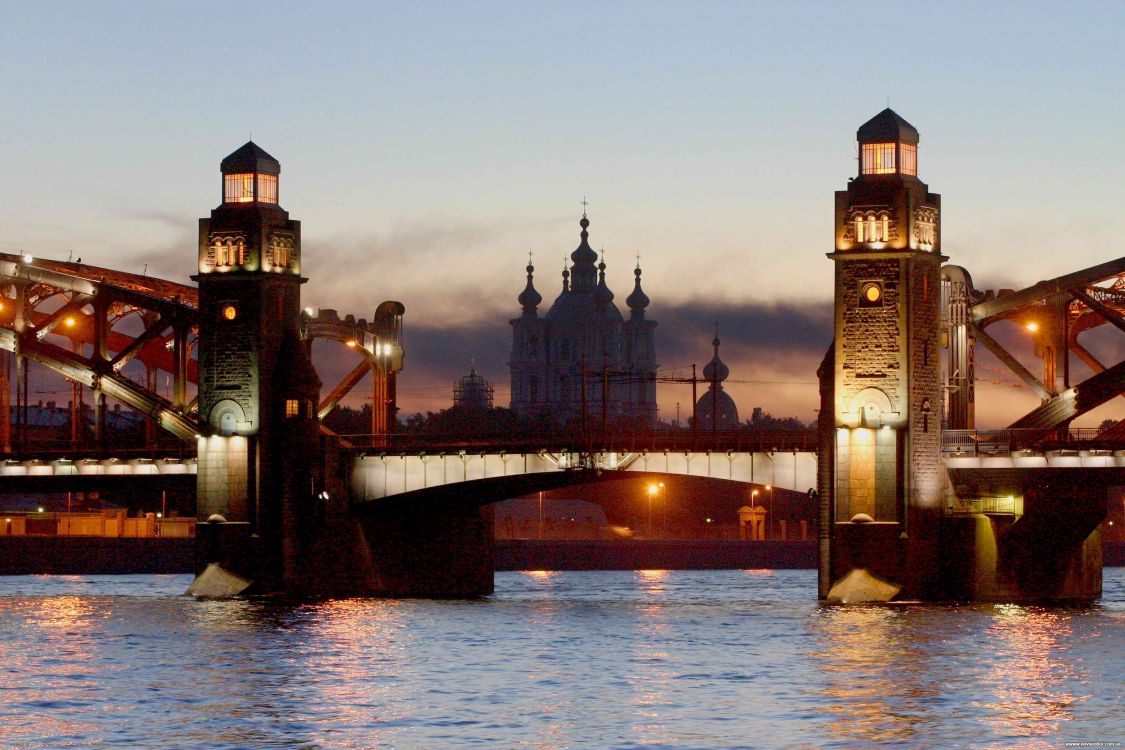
(390, 481)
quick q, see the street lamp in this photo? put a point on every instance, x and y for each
(769, 512)
(753, 505)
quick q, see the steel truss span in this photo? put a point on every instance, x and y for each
(118, 333)
(1054, 313)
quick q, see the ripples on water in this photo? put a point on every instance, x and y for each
(685, 659)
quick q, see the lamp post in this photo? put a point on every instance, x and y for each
(769, 512)
(753, 501)
(652, 490)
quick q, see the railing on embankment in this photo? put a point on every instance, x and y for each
(109, 524)
(747, 440)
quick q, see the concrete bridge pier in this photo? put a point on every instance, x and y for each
(446, 556)
(1050, 553)
(319, 548)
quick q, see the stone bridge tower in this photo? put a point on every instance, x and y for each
(886, 395)
(258, 390)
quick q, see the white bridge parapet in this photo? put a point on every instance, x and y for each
(385, 475)
(1026, 459)
(99, 467)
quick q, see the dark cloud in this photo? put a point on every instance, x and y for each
(746, 329)
(778, 338)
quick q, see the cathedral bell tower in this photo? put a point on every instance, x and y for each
(257, 387)
(887, 475)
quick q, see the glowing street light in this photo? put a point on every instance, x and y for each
(1032, 326)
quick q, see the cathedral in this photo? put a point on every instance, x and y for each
(583, 355)
(715, 408)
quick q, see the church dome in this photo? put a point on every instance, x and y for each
(638, 300)
(529, 299)
(716, 370)
(584, 254)
(602, 294)
(724, 411)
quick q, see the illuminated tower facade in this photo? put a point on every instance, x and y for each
(257, 388)
(887, 392)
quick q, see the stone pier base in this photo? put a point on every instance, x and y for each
(1044, 556)
(447, 555)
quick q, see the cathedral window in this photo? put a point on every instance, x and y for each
(292, 407)
(877, 158)
(859, 235)
(533, 347)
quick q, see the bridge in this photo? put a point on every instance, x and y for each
(300, 509)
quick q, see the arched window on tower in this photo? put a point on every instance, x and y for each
(859, 237)
(872, 235)
(885, 228)
(281, 252)
(229, 252)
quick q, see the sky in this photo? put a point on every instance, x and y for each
(428, 147)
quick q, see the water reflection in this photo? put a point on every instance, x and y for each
(893, 673)
(573, 659)
(876, 667)
(48, 662)
(648, 670)
(1027, 676)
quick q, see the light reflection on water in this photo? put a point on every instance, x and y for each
(632, 659)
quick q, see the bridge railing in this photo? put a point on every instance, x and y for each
(1006, 441)
(749, 440)
(177, 452)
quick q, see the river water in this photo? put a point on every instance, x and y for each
(646, 659)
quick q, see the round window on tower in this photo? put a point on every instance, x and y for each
(230, 312)
(871, 294)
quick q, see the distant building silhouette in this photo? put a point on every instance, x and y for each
(583, 352)
(473, 392)
(716, 406)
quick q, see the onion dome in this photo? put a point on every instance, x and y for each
(715, 372)
(529, 299)
(584, 257)
(638, 300)
(602, 294)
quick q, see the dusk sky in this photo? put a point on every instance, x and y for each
(426, 148)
